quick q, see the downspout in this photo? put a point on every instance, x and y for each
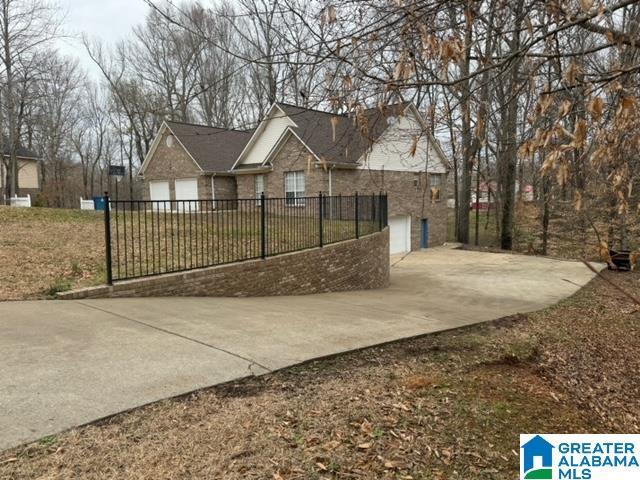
(330, 187)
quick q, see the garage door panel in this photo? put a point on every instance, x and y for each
(159, 192)
(187, 189)
(400, 234)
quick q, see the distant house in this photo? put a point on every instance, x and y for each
(296, 152)
(29, 165)
(488, 193)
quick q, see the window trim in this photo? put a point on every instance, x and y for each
(435, 190)
(298, 198)
(258, 194)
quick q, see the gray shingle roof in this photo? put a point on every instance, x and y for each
(22, 151)
(214, 149)
(350, 142)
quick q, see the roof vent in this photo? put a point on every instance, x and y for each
(169, 140)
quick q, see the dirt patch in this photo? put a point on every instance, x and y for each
(445, 406)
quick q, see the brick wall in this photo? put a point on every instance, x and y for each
(409, 192)
(225, 188)
(351, 265)
(170, 163)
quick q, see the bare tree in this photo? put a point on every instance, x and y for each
(59, 94)
(25, 27)
(90, 135)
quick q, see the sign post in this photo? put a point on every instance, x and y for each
(117, 171)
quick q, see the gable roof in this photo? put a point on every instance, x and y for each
(21, 152)
(315, 130)
(213, 149)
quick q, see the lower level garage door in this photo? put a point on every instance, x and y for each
(187, 189)
(400, 234)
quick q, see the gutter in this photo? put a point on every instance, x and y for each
(249, 171)
(339, 165)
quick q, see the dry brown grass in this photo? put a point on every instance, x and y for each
(444, 406)
(571, 235)
(45, 249)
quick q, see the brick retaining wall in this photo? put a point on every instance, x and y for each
(350, 265)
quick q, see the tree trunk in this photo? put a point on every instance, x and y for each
(509, 153)
(546, 190)
(467, 157)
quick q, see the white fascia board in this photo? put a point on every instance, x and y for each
(443, 158)
(305, 145)
(247, 171)
(21, 157)
(281, 140)
(185, 149)
(154, 145)
(430, 139)
(258, 131)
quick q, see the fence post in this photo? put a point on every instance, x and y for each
(107, 237)
(380, 211)
(372, 216)
(386, 209)
(321, 211)
(263, 226)
(357, 217)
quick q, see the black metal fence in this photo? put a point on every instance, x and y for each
(145, 238)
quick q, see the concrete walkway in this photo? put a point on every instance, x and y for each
(65, 363)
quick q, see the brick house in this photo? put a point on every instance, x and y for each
(296, 152)
(188, 162)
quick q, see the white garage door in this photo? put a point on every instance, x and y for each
(159, 191)
(187, 189)
(400, 234)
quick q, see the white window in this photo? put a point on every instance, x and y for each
(294, 188)
(435, 185)
(259, 187)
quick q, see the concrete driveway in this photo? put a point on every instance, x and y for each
(66, 363)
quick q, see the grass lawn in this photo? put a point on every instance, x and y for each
(155, 242)
(43, 251)
(444, 406)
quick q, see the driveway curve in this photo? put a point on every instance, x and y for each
(66, 363)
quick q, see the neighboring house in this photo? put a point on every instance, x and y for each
(28, 172)
(296, 152)
(488, 192)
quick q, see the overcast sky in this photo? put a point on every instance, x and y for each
(108, 20)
